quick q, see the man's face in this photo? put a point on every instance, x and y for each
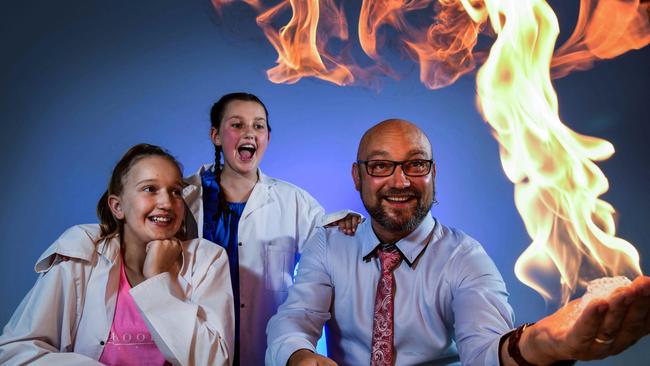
(397, 203)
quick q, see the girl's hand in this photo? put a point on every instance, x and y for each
(348, 224)
(162, 256)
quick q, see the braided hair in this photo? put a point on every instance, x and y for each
(216, 116)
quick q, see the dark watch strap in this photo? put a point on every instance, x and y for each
(515, 353)
(513, 345)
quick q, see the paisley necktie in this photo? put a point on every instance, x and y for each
(382, 327)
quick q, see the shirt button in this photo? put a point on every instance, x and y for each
(240, 244)
(242, 305)
(101, 343)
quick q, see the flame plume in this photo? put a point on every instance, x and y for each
(557, 182)
(605, 29)
(301, 43)
(443, 50)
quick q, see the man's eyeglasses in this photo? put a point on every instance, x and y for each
(385, 168)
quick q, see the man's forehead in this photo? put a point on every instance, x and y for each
(394, 137)
(387, 153)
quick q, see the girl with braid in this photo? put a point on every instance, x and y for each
(262, 222)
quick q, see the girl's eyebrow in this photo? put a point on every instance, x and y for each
(145, 181)
(236, 116)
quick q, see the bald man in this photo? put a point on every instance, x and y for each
(407, 290)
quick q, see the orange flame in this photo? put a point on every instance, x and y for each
(557, 183)
(605, 29)
(444, 50)
(300, 52)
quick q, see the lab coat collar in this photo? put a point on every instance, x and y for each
(260, 197)
(194, 210)
(79, 242)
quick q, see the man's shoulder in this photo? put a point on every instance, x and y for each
(454, 240)
(335, 241)
(463, 252)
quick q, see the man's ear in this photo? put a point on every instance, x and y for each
(356, 177)
(115, 205)
(433, 170)
(215, 137)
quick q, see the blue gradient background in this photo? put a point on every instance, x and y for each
(81, 81)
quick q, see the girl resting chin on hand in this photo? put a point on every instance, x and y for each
(129, 292)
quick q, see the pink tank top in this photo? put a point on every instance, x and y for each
(129, 342)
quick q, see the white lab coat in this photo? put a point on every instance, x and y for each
(273, 228)
(67, 315)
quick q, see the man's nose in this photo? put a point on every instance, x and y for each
(399, 179)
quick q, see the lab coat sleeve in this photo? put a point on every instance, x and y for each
(40, 332)
(299, 321)
(194, 327)
(480, 306)
(312, 216)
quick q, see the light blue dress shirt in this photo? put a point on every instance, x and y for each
(447, 288)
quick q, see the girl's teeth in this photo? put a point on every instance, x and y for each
(160, 219)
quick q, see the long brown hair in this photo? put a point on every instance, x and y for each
(109, 225)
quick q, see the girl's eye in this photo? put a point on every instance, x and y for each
(235, 125)
(177, 192)
(260, 126)
(149, 189)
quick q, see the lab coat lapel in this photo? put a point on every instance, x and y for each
(100, 292)
(261, 195)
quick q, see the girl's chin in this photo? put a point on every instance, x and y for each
(245, 167)
(164, 233)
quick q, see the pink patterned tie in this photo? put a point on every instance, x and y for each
(382, 327)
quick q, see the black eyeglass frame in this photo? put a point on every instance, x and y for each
(395, 164)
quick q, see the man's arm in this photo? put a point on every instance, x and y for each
(479, 303)
(299, 321)
(617, 322)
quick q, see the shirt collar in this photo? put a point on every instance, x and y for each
(411, 246)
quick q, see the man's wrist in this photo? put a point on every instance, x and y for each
(511, 344)
(512, 347)
(532, 349)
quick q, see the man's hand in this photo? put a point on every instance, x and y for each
(348, 224)
(162, 256)
(605, 327)
(305, 357)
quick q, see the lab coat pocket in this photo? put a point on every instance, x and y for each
(279, 268)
